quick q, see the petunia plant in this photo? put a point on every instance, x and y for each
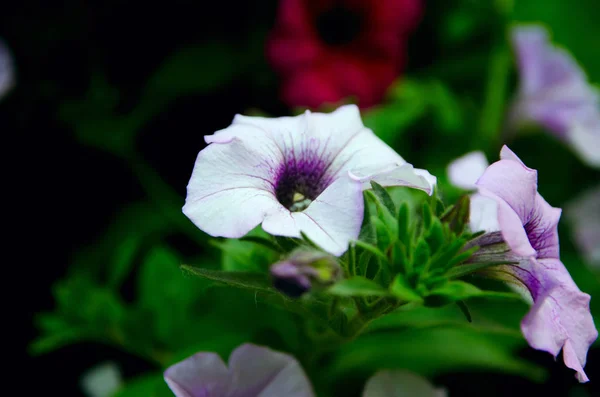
(346, 250)
(339, 250)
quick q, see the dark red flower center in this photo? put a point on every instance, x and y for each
(339, 25)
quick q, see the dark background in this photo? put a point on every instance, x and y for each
(67, 192)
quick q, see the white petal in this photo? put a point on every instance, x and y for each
(324, 133)
(101, 381)
(199, 375)
(231, 189)
(466, 170)
(332, 220)
(484, 214)
(394, 175)
(399, 383)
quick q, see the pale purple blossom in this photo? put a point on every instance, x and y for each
(583, 213)
(7, 70)
(253, 371)
(560, 318)
(465, 170)
(256, 371)
(554, 92)
(292, 175)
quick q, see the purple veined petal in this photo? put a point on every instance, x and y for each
(467, 169)
(511, 225)
(201, 375)
(262, 372)
(7, 70)
(230, 191)
(333, 219)
(560, 317)
(583, 213)
(400, 383)
(318, 135)
(542, 228)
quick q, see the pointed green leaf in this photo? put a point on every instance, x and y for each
(357, 286)
(371, 248)
(451, 292)
(384, 197)
(421, 256)
(427, 216)
(247, 280)
(435, 237)
(384, 235)
(458, 217)
(404, 235)
(402, 290)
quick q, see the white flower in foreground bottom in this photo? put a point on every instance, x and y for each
(294, 174)
(399, 383)
(102, 380)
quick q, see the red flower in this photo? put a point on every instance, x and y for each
(327, 50)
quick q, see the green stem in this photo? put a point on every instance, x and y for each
(492, 114)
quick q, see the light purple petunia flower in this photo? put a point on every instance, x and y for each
(294, 174)
(7, 70)
(584, 215)
(554, 92)
(560, 316)
(254, 371)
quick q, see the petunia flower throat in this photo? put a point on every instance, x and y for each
(292, 175)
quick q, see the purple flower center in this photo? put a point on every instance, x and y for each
(339, 25)
(300, 180)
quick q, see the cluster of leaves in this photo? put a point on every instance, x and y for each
(415, 261)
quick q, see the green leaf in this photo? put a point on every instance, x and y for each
(384, 197)
(459, 290)
(458, 216)
(465, 310)
(402, 290)
(435, 237)
(427, 216)
(431, 352)
(384, 235)
(262, 241)
(247, 280)
(252, 253)
(195, 70)
(370, 248)
(404, 225)
(420, 256)
(357, 286)
(451, 292)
